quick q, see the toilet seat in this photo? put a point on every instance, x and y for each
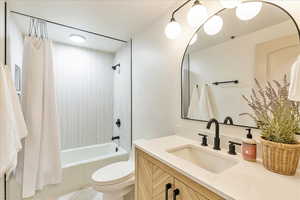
(113, 174)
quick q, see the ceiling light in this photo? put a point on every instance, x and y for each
(197, 14)
(194, 39)
(249, 10)
(173, 29)
(213, 25)
(230, 3)
(77, 38)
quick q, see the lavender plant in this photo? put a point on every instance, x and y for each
(276, 116)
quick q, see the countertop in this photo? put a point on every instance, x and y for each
(243, 181)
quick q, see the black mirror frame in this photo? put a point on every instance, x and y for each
(181, 78)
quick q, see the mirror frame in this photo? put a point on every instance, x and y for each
(182, 60)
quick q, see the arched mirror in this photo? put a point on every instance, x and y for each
(255, 41)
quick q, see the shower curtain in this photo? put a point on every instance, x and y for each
(42, 165)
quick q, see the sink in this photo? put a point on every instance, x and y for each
(207, 159)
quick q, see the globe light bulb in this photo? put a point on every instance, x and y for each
(197, 14)
(248, 10)
(194, 39)
(213, 25)
(230, 3)
(173, 29)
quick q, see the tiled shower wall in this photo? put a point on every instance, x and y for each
(122, 96)
(84, 85)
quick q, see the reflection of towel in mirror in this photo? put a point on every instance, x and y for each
(206, 109)
(294, 90)
(194, 108)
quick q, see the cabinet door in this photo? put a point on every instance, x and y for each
(143, 177)
(160, 180)
(186, 193)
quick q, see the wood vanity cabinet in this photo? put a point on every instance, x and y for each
(157, 181)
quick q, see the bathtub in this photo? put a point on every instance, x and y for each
(79, 164)
(88, 154)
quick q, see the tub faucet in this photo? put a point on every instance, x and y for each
(217, 133)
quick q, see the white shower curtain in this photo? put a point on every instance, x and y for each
(42, 165)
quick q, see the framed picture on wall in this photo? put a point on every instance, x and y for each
(18, 78)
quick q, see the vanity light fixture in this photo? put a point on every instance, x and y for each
(194, 39)
(230, 3)
(173, 29)
(248, 10)
(77, 38)
(213, 25)
(197, 14)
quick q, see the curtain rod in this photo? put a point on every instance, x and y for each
(67, 26)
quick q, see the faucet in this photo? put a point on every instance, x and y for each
(217, 133)
(228, 119)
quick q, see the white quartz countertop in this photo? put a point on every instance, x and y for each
(243, 181)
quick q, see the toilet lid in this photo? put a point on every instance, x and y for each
(114, 173)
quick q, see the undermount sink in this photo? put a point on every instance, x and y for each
(206, 159)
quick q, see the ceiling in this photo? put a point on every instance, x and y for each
(269, 15)
(115, 18)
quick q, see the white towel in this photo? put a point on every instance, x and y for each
(294, 90)
(13, 127)
(206, 109)
(194, 108)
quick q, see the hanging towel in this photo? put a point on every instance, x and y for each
(294, 89)
(42, 164)
(194, 109)
(206, 109)
(13, 127)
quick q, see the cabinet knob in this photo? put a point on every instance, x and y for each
(176, 192)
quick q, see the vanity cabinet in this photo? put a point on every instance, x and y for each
(157, 181)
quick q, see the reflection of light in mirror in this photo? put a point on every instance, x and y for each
(173, 29)
(213, 25)
(194, 39)
(197, 14)
(230, 3)
(249, 10)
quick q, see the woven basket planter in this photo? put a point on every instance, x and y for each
(280, 158)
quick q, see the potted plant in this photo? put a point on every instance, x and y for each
(278, 118)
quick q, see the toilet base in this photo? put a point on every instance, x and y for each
(117, 195)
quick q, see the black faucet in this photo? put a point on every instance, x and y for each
(228, 119)
(217, 133)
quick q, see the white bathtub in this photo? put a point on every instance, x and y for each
(94, 153)
(78, 166)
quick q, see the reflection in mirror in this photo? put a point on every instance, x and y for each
(229, 53)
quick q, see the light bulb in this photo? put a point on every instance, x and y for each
(77, 38)
(230, 3)
(248, 10)
(213, 25)
(197, 14)
(173, 29)
(194, 39)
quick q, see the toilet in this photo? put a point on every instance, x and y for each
(115, 180)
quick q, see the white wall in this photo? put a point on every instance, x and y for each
(84, 85)
(236, 56)
(15, 46)
(122, 96)
(156, 78)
